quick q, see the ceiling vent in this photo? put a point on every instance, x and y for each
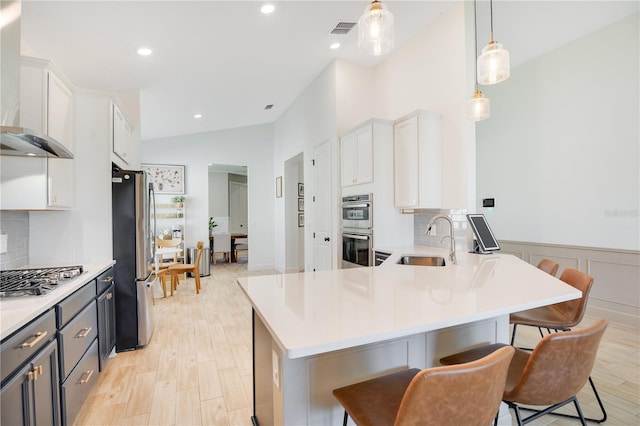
(343, 28)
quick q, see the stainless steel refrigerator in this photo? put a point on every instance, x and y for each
(133, 251)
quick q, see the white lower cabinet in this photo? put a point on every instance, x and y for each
(417, 157)
(36, 183)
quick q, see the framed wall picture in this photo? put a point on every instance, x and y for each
(279, 187)
(166, 178)
(300, 220)
(300, 204)
(301, 190)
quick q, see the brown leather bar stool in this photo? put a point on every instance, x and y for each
(551, 375)
(467, 394)
(561, 317)
(549, 266)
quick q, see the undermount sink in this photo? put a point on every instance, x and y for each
(422, 260)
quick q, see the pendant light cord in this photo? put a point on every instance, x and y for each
(475, 43)
(491, 13)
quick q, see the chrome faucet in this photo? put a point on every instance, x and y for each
(452, 246)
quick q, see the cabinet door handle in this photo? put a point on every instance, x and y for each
(108, 279)
(83, 333)
(32, 375)
(109, 296)
(85, 377)
(37, 337)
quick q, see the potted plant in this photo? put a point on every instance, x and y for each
(179, 200)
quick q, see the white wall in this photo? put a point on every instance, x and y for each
(82, 234)
(431, 72)
(560, 153)
(219, 194)
(308, 122)
(250, 146)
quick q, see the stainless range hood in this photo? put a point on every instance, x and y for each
(19, 141)
(14, 139)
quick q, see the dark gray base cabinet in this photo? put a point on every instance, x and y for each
(76, 387)
(106, 324)
(31, 397)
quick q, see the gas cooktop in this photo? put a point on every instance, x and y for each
(35, 282)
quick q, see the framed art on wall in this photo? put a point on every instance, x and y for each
(166, 178)
(300, 220)
(300, 204)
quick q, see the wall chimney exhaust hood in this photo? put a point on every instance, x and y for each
(14, 139)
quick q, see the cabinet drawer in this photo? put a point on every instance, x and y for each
(76, 337)
(73, 304)
(76, 388)
(104, 280)
(18, 348)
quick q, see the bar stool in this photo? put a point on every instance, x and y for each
(551, 375)
(467, 394)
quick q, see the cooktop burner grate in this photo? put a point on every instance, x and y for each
(35, 282)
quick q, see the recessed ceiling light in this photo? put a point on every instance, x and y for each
(144, 51)
(267, 9)
(334, 46)
(197, 115)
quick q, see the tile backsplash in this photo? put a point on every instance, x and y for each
(460, 229)
(16, 226)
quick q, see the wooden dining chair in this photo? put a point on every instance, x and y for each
(467, 394)
(165, 263)
(193, 268)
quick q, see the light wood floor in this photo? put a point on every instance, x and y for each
(197, 368)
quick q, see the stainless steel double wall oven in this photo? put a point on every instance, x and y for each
(357, 231)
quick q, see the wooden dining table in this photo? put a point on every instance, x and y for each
(234, 237)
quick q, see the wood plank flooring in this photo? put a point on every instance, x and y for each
(197, 368)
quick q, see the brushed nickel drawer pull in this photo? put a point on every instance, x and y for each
(38, 336)
(83, 333)
(85, 377)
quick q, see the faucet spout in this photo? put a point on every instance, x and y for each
(452, 245)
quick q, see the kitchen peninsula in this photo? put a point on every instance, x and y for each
(315, 331)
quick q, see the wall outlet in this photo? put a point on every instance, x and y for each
(4, 238)
(276, 369)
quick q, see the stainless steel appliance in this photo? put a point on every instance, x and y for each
(133, 251)
(357, 212)
(357, 231)
(36, 281)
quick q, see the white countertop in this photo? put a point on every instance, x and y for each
(317, 312)
(17, 311)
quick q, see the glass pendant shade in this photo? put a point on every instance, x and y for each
(493, 64)
(478, 107)
(375, 30)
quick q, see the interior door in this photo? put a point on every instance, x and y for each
(322, 224)
(238, 207)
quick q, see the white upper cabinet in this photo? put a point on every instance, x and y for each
(46, 106)
(46, 101)
(36, 183)
(417, 151)
(120, 134)
(357, 155)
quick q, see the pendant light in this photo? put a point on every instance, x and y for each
(478, 105)
(493, 63)
(375, 29)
